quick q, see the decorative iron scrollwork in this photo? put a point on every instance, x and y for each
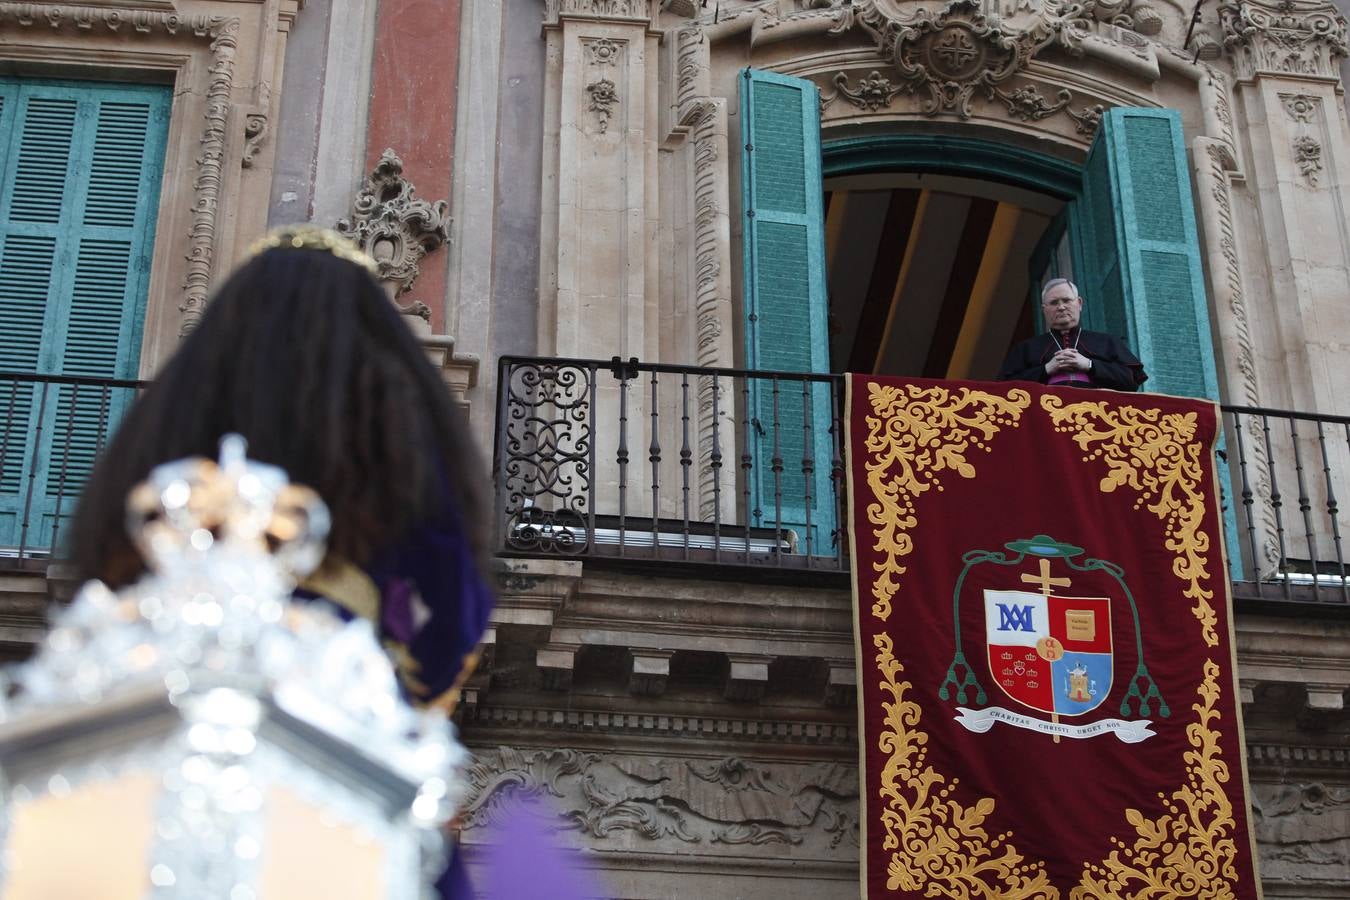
(545, 463)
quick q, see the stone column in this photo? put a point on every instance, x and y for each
(598, 239)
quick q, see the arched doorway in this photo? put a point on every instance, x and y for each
(932, 241)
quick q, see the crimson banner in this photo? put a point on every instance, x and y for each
(1046, 678)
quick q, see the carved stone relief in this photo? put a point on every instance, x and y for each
(1294, 37)
(396, 228)
(255, 132)
(604, 96)
(604, 58)
(952, 54)
(612, 800)
(1308, 157)
(1300, 107)
(1302, 830)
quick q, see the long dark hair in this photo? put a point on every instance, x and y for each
(303, 354)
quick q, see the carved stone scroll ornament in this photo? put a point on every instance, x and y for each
(255, 132)
(959, 50)
(729, 801)
(1284, 37)
(396, 228)
(872, 93)
(1303, 830)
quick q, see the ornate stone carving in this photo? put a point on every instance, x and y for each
(959, 50)
(604, 97)
(872, 93)
(1308, 157)
(255, 132)
(603, 52)
(1301, 107)
(1216, 204)
(1027, 103)
(223, 34)
(1303, 830)
(1086, 120)
(730, 801)
(1294, 37)
(396, 228)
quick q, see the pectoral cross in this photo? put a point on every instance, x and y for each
(1044, 580)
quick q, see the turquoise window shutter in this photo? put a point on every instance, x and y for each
(1138, 229)
(785, 306)
(77, 211)
(1137, 236)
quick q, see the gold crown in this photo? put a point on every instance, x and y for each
(312, 237)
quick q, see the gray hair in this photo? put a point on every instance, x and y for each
(1056, 282)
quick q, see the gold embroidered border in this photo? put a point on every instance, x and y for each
(914, 434)
(1189, 850)
(1158, 456)
(939, 841)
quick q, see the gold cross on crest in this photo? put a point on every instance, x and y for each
(1044, 580)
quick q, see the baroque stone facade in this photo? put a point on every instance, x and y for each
(692, 736)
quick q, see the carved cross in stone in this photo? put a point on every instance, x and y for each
(1043, 580)
(955, 49)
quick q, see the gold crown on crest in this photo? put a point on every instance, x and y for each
(312, 237)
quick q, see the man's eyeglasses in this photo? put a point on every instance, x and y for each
(1059, 301)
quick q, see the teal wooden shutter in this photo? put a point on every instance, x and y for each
(785, 304)
(1136, 224)
(77, 209)
(1137, 236)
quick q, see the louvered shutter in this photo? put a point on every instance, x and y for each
(76, 231)
(785, 305)
(1137, 222)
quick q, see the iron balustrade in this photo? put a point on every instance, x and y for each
(697, 467)
(52, 430)
(1288, 470)
(744, 470)
(639, 461)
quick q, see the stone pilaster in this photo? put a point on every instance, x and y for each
(1286, 58)
(598, 241)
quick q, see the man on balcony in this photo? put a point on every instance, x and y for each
(1070, 355)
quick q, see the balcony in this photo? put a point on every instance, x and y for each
(740, 474)
(52, 429)
(722, 472)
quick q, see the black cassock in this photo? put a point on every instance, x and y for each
(1113, 365)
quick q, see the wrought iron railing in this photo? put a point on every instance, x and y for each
(744, 470)
(636, 461)
(1287, 473)
(52, 428)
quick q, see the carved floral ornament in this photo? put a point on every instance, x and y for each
(395, 228)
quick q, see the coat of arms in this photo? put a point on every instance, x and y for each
(1049, 651)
